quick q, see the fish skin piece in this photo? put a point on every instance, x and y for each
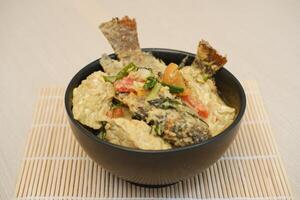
(122, 36)
(208, 59)
(180, 128)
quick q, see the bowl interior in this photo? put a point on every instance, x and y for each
(228, 86)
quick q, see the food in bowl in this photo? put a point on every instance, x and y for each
(141, 102)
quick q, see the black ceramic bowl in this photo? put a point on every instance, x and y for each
(164, 166)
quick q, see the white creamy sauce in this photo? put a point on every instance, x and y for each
(133, 133)
(220, 115)
(92, 99)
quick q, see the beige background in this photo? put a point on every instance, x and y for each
(44, 43)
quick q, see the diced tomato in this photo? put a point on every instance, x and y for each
(118, 112)
(125, 89)
(115, 113)
(196, 104)
(124, 85)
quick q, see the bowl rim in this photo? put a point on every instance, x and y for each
(128, 149)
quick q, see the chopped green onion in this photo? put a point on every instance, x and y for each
(110, 78)
(158, 129)
(174, 89)
(154, 92)
(150, 83)
(124, 72)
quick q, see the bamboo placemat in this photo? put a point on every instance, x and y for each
(56, 168)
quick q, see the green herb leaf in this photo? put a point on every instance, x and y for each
(164, 103)
(116, 103)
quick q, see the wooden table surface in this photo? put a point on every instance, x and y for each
(45, 43)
